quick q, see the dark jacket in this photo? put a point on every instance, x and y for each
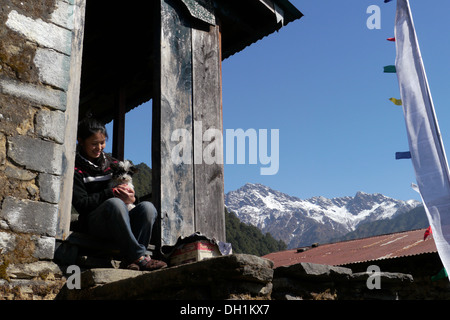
(91, 185)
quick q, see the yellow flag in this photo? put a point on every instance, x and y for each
(397, 102)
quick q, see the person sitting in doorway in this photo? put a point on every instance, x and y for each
(103, 211)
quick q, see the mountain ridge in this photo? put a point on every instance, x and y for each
(300, 222)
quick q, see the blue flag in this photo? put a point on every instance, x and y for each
(402, 155)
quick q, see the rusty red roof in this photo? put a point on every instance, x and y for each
(367, 249)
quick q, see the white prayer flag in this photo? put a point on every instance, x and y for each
(425, 142)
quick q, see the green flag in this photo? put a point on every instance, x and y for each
(441, 275)
(390, 69)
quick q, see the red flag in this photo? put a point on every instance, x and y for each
(390, 39)
(427, 233)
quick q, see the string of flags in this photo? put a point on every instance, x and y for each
(397, 102)
(407, 155)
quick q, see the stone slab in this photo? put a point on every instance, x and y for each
(215, 278)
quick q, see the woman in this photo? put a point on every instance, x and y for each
(102, 211)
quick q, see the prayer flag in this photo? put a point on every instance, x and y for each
(427, 233)
(402, 155)
(397, 102)
(441, 274)
(390, 39)
(424, 137)
(390, 69)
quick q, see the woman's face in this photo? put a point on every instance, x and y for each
(94, 145)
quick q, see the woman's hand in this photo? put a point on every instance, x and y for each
(125, 193)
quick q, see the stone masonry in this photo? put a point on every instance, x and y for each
(37, 39)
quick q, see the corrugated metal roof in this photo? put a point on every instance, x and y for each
(374, 248)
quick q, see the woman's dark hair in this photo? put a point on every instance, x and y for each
(89, 126)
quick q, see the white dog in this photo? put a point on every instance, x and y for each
(122, 172)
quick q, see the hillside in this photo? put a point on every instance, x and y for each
(411, 220)
(249, 239)
(142, 180)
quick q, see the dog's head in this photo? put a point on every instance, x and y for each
(123, 171)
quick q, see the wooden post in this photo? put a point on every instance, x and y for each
(188, 194)
(207, 106)
(118, 151)
(71, 115)
(173, 188)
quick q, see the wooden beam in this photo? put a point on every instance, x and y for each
(207, 111)
(119, 125)
(187, 188)
(71, 116)
(173, 188)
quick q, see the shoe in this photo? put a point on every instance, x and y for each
(147, 264)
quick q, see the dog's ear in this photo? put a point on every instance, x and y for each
(133, 169)
(114, 165)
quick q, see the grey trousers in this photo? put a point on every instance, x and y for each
(130, 230)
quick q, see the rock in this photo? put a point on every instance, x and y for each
(323, 282)
(55, 99)
(50, 187)
(216, 278)
(314, 272)
(46, 34)
(25, 150)
(30, 216)
(53, 67)
(32, 270)
(19, 174)
(51, 125)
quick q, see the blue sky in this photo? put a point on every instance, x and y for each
(320, 82)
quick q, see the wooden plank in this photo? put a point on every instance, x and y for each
(118, 151)
(172, 107)
(71, 117)
(208, 149)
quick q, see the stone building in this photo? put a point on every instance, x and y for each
(61, 59)
(40, 67)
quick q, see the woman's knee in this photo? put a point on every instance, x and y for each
(115, 202)
(147, 209)
(115, 206)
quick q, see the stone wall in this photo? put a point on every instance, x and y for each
(233, 277)
(36, 86)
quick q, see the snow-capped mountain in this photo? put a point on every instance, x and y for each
(301, 222)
